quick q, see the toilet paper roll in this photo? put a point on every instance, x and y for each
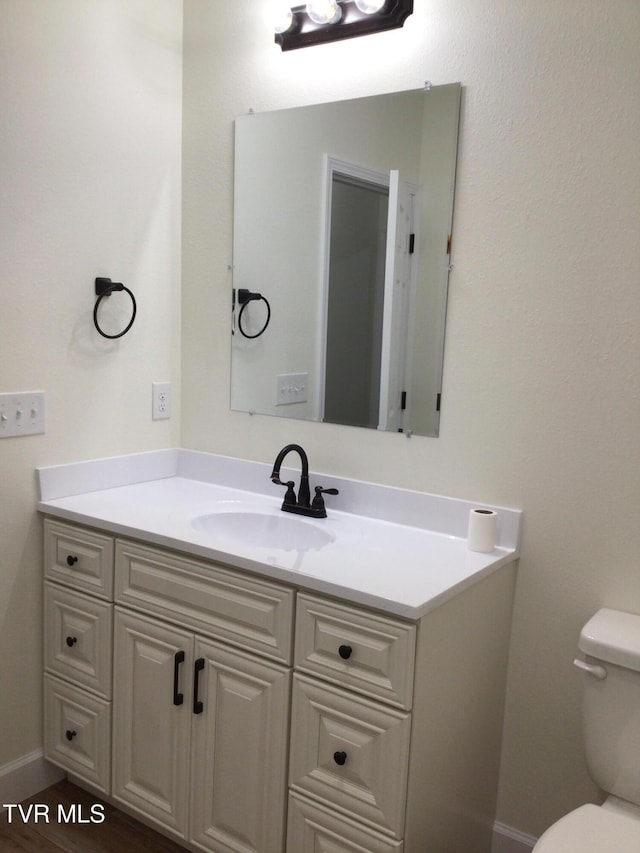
(483, 530)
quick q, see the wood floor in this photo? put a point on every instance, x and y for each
(118, 833)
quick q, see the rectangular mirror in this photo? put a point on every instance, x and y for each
(341, 259)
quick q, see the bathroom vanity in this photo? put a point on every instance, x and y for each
(239, 693)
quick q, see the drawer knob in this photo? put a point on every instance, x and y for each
(71, 641)
(70, 734)
(71, 560)
(345, 652)
(340, 757)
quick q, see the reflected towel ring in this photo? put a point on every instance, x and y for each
(244, 298)
(105, 287)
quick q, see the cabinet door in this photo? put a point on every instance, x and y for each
(151, 719)
(239, 751)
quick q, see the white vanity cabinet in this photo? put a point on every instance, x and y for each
(236, 713)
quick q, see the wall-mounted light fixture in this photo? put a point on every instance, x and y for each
(319, 21)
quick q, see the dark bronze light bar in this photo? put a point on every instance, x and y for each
(350, 20)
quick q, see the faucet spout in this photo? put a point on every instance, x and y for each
(304, 494)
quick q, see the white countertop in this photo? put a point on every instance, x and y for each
(374, 559)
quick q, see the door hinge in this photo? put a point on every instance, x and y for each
(438, 398)
(448, 252)
(412, 243)
(403, 401)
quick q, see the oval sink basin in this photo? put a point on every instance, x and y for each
(263, 530)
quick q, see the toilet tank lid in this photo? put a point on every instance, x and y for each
(613, 636)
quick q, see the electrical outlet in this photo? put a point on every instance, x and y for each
(291, 388)
(161, 400)
(21, 413)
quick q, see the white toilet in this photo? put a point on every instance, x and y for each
(611, 727)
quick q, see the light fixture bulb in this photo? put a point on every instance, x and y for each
(370, 7)
(282, 16)
(324, 11)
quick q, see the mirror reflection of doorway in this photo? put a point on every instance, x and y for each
(358, 239)
(369, 296)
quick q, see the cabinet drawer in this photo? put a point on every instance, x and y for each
(79, 558)
(357, 649)
(351, 753)
(78, 637)
(315, 827)
(215, 601)
(77, 732)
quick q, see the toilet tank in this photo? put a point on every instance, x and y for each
(611, 706)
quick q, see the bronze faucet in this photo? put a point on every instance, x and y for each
(302, 504)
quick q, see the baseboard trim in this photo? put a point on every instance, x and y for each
(24, 777)
(509, 840)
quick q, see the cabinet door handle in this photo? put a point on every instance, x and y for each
(71, 560)
(340, 757)
(70, 734)
(71, 641)
(345, 652)
(178, 698)
(198, 707)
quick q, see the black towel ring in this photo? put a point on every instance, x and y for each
(105, 287)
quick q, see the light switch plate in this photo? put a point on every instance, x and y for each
(21, 413)
(291, 388)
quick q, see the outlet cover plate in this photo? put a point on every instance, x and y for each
(160, 400)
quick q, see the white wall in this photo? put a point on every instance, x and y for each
(90, 147)
(541, 403)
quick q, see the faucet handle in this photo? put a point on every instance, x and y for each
(289, 495)
(318, 501)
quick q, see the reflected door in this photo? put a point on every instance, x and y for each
(370, 286)
(355, 304)
(399, 298)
